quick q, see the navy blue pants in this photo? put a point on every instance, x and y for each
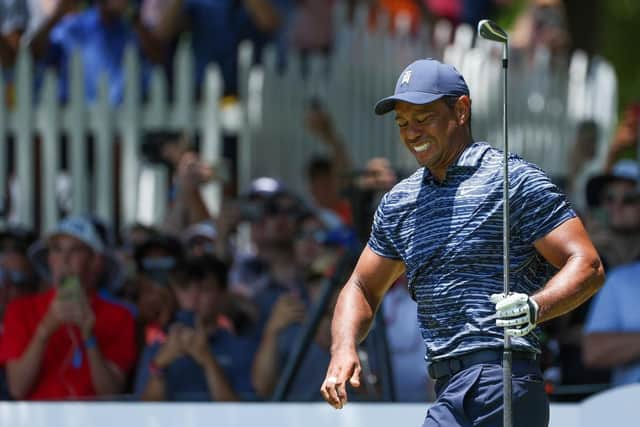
(473, 397)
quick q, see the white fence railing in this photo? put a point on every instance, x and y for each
(617, 407)
(545, 101)
(108, 126)
(545, 104)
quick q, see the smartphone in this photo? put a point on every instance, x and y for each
(70, 288)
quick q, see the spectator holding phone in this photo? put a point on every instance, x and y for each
(203, 357)
(68, 342)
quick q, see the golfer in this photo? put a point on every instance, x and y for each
(443, 227)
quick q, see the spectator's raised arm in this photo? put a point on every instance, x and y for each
(41, 38)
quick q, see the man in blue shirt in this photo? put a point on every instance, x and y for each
(443, 227)
(218, 26)
(612, 330)
(100, 34)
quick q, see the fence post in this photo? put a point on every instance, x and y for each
(247, 132)
(24, 138)
(102, 125)
(129, 121)
(183, 112)
(76, 126)
(211, 148)
(49, 126)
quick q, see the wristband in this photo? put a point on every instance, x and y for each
(90, 342)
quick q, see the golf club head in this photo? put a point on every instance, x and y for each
(491, 31)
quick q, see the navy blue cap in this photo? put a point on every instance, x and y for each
(422, 82)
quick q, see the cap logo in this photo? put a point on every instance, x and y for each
(406, 77)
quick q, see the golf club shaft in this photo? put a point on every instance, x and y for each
(507, 355)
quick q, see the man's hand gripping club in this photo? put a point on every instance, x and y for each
(517, 312)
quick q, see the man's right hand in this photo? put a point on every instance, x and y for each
(62, 311)
(288, 309)
(172, 348)
(344, 366)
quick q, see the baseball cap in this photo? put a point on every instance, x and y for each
(81, 228)
(626, 170)
(265, 186)
(205, 229)
(422, 82)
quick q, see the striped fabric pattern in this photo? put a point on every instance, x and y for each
(449, 235)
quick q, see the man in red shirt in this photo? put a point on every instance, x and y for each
(68, 342)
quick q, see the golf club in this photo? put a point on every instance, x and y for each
(489, 30)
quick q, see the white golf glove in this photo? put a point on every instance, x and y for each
(516, 312)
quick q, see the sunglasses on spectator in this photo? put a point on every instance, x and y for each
(627, 198)
(14, 277)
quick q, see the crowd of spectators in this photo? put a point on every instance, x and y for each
(201, 307)
(101, 30)
(205, 307)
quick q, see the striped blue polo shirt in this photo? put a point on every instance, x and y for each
(449, 235)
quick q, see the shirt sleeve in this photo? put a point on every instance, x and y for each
(604, 312)
(379, 240)
(537, 204)
(16, 335)
(142, 373)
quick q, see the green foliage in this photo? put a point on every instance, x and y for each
(618, 43)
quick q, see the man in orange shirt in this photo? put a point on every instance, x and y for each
(68, 342)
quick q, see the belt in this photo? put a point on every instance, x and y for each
(452, 365)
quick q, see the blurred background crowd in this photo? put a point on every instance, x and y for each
(236, 305)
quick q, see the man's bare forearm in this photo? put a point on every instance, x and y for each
(610, 349)
(219, 388)
(106, 380)
(576, 282)
(265, 366)
(353, 315)
(264, 14)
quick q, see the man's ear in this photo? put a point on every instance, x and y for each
(463, 109)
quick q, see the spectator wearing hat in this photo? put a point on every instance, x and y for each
(272, 212)
(200, 239)
(616, 202)
(68, 342)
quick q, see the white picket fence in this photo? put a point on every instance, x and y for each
(545, 102)
(142, 189)
(545, 105)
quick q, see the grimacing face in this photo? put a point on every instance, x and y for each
(427, 130)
